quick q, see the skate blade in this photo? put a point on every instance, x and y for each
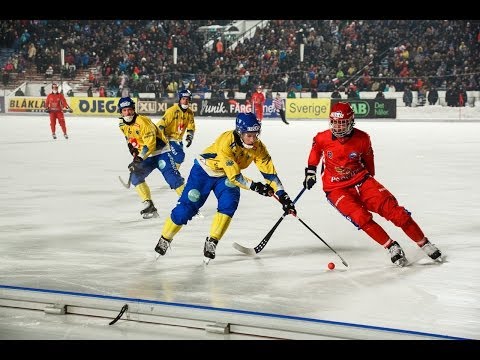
(206, 261)
(151, 215)
(402, 262)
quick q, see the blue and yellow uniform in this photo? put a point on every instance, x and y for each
(177, 120)
(219, 169)
(150, 149)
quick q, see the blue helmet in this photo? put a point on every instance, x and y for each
(185, 93)
(125, 102)
(247, 122)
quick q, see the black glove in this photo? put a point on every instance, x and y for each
(189, 138)
(70, 110)
(287, 204)
(47, 110)
(310, 177)
(135, 164)
(262, 189)
(133, 150)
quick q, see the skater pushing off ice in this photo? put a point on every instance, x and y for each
(218, 169)
(178, 120)
(150, 150)
(348, 171)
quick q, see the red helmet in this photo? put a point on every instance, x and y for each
(342, 119)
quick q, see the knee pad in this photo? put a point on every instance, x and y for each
(400, 216)
(229, 200)
(395, 213)
(183, 213)
(229, 212)
(173, 177)
(360, 218)
(137, 178)
(228, 209)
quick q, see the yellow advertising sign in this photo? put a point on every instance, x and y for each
(24, 104)
(80, 105)
(308, 108)
(95, 105)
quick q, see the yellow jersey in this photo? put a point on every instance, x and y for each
(175, 122)
(145, 136)
(227, 157)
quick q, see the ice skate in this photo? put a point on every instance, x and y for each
(150, 211)
(162, 245)
(209, 250)
(397, 255)
(198, 215)
(65, 136)
(54, 136)
(432, 251)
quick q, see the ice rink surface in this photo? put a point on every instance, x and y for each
(67, 225)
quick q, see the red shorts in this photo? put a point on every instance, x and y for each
(357, 202)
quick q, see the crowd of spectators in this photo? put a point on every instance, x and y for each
(351, 56)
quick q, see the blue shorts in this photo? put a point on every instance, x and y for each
(165, 164)
(196, 192)
(177, 151)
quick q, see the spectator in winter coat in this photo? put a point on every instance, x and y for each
(336, 94)
(432, 96)
(407, 96)
(462, 96)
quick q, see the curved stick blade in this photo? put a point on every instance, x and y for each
(243, 249)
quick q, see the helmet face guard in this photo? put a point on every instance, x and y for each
(342, 119)
(184, 94)
(126, 103)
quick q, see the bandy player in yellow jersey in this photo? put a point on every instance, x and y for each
(177, 120)
(218, 169)
(150, 150)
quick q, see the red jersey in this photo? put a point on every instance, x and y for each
(345, 161)
(258, 98)
(56, 102)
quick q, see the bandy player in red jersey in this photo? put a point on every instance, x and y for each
(348, 171)
(55, 105)
(258, 100)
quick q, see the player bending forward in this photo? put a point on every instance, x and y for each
(218, 169)
(348, 171)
